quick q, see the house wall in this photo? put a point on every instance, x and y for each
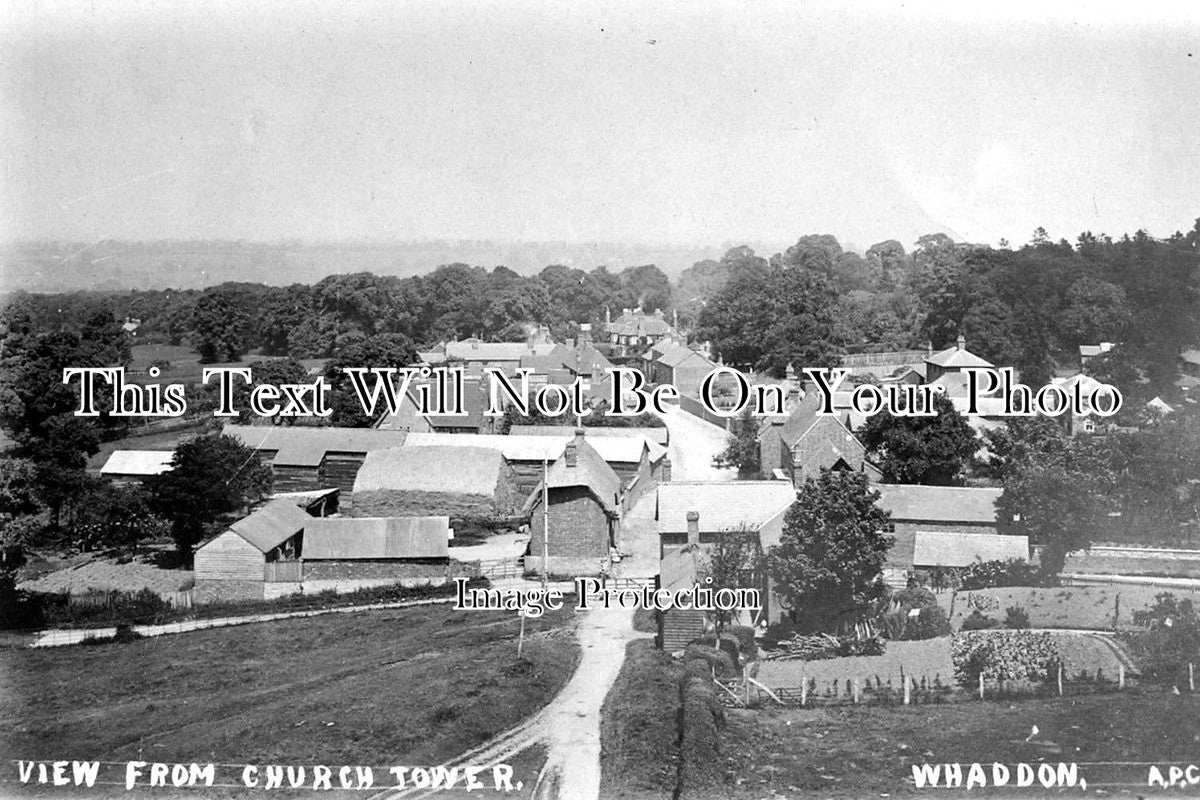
(296, 479)
(647, 478)
(579, 526)
(340, 470)
(229, 557)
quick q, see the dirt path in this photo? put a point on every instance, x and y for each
(569, 726)
(694, 444)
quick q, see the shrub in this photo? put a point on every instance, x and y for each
(992, 574)
(914, 597)
(1024, 655)
(978, 622)
(1172, 638)
(717, 660)
(1016, 618)
(914, 615)
(867, 646)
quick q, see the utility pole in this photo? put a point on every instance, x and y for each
(545, 523)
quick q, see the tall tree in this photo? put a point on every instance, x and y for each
(742, 450)
(933, 450)
(210, 475)
(829, 560)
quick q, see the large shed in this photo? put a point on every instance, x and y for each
(262, 547)
(343, 553)
(304, 459)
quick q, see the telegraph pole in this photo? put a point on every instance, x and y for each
(545, 523)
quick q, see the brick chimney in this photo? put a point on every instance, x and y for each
(666, 470)
(585, 334)
(572, 455)
(693, 522)
(962, 342)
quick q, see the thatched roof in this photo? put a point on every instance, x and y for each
(343, 538)
(582, 465)
(447, 470)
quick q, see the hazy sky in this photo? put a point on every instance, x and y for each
(637, 122)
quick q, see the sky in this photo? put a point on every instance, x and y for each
(666, 123)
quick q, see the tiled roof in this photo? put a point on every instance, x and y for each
(306, 447)
(613, 449)
(946, 549)
(271, 525)
(138, 462)
(636, 323)
(947, 504)
(338, 538)
(957, 357)
(676, 354)
(453, 470)
(722, 505)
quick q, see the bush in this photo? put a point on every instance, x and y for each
(867, 646)
(1171, 639)
(1016, 618)
(717, 660)
(901, 624)
(978, 622)
(1022, 656)
(915, 597)
(19, 609)
(992, 574)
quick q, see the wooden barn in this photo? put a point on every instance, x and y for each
(258, 549)
(475, 486)
(345, 554)
(584, 511)
(304, 459)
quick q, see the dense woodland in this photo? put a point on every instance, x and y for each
(1029, 307)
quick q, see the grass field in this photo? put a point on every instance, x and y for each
(854, 752)
(410, 686)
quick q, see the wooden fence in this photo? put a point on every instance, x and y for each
(913, 690)
(501, 568)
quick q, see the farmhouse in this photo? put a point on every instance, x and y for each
(679, 365)
(691, 516)
(953, 359)
(344, 554)
(635, 330)
(806, 442)
(260, 548)
(582, 513)
(129, 466)
(303, 459)
(474, 486)
(962, 520)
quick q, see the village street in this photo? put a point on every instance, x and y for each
(694, 444)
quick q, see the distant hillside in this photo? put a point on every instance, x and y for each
(65, 266)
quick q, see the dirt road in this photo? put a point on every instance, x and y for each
(569, 727)
(694, 444)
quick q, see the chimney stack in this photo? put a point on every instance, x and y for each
(585, 334)
(666, 470)
(572, 455)
(962, 342)
(693, 530)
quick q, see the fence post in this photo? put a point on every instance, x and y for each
(803, 690)
(1191, 676)
(981, 685)
(857, 691)
(907, 691)
(1060, 691)
(1120, 676)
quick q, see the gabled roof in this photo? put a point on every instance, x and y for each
(473, 402)
(802, 418)
(958, 357)
(676, 354)
(590, 471)
(582, 359)
(475, 350)
(272, 524)
(939, 503)
(338, 538)
(613, 449)
(656, 435)
(946, 549)
(638, 323)
(138, 462)
(722, 505)
(306, 447)
(452, 470)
